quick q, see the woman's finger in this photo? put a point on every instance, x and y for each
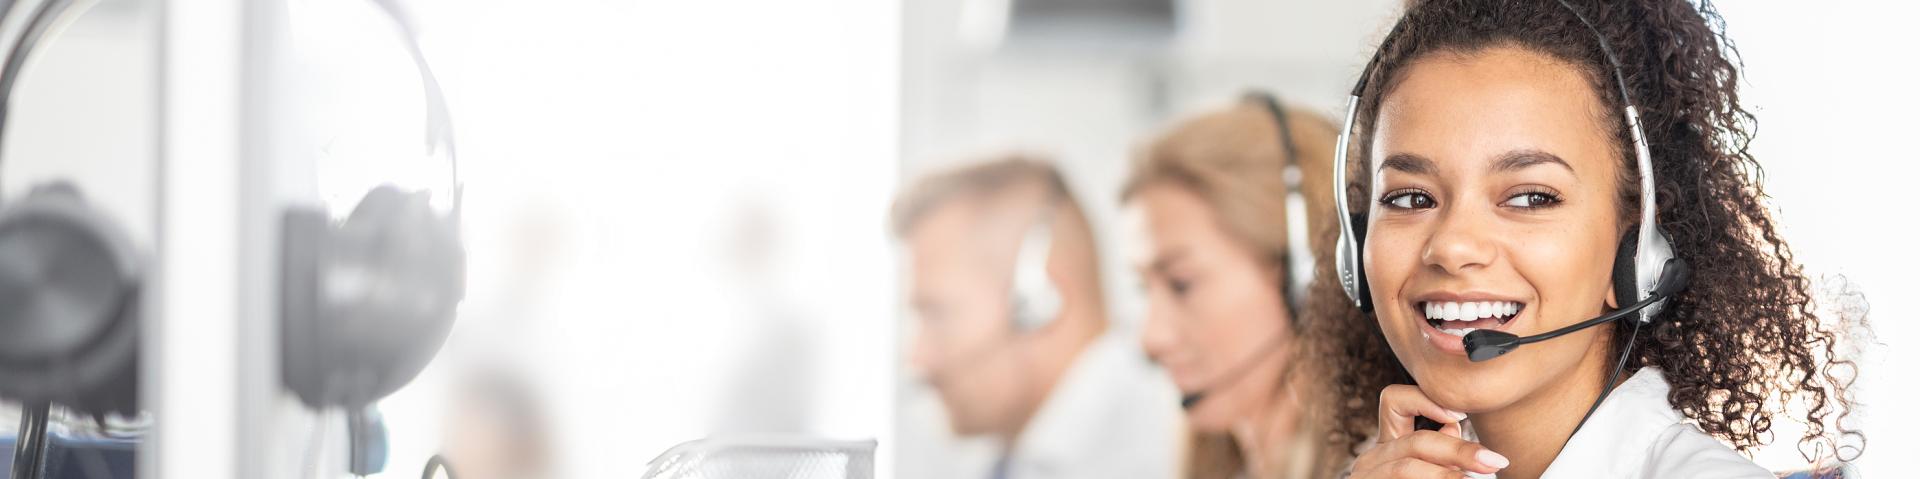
(1399, 404)
(1407, 468)
(1444, 450)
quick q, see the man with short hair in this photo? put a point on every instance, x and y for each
(1013, 331)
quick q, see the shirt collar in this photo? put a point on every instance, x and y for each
(1613, 443)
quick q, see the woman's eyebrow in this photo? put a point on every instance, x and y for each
(1166, 259)
(1408, 163)
(1517, 160)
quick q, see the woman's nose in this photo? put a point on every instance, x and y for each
(1460, 242)
(1157, 335)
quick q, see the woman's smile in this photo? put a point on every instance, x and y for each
(1445, 318)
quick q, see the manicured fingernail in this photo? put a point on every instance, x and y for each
(1491, 459)
(1457, 415)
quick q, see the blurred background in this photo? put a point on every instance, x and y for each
(675, 213)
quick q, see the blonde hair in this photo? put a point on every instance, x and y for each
(1235, 160)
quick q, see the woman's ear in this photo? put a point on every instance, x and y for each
(1613, 302)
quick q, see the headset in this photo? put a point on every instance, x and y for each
(1036, 300)
(1645, 272)
(1296, 263)
(1033, 299)
(367, 302)
(70, 281)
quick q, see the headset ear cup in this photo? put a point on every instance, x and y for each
(413, 269)
(1625, 292)
(108, 378)
(1359, 268)
(69, 304)
(1036, 300)
(303, 239)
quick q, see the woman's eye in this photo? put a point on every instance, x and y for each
(1179, 286)
(1535, 199)
(1408, 200)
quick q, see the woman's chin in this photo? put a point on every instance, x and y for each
(1467, 402)
(1470, 392)
(1208, 422)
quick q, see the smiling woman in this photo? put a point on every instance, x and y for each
(1502, 181)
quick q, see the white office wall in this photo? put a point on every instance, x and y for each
(676, 218)
(1828, 86)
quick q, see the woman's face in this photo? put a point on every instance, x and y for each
(1215, 317)
(1494, 208)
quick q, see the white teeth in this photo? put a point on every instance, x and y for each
(1469, 311)
(1462, 332)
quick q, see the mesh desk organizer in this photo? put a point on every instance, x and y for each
(765, 457)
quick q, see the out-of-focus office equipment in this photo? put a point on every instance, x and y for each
(70, 279)
(367, 434)
(765, 457)
(366, 302)
(1071, 24)
(64, 457)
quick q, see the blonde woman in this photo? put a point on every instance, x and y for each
(1221, 258)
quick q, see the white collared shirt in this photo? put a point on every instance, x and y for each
(1636, 434)
(1110, 416)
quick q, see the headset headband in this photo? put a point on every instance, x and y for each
(439, 118)
(1297, 260)
(1652, 248)
(439, 129)
(36, 28)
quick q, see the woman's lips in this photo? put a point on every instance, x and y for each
(1446, 323)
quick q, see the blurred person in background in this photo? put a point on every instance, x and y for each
(1222, 254)
(1031, 363)
(495, 429)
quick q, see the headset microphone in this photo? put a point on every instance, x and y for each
(1485, 344)
(1187, 401)
(1646, 270)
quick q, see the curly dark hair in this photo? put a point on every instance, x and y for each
(1745, 340)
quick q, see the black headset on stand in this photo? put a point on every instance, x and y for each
(1645, 270)
(70, 282)
(367, 302)
(1297, 263)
